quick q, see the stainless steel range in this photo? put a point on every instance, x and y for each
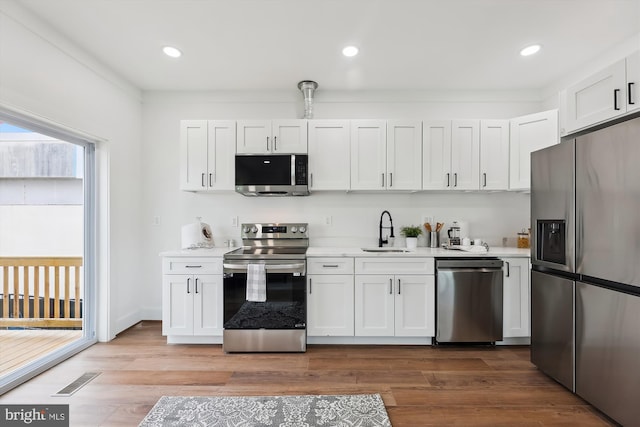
(265, 290)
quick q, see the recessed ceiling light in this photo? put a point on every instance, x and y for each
(350, 51)
(172, 51)
(530, 50)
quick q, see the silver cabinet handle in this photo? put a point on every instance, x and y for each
(391, 179)
(202, 180)
(211, 180)
(390, 286)
(508, 268)
(193, 266)
(629, 87)
(196, 285)
(615, 99)
(275, 143)
(484, 179)
(455, 179)
(310, 286)
(311, 179)
(382, 179)
(399, 286)
(267, 143)
(448, 183)
(188, 288)
(330, 265)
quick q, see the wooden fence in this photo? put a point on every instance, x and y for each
(41, 292)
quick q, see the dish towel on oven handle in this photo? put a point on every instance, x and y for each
(256, 283)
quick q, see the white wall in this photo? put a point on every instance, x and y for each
(47, 76)
(354, 217)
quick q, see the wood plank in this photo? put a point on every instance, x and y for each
(421, 386)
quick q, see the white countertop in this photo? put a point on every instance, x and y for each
(418, 252)
(315, 251)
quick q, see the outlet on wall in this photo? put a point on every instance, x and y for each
(328, 220)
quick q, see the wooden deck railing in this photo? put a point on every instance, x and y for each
(41, 292)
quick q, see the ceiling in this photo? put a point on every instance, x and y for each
(404, 44)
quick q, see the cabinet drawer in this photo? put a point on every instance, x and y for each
(336, 265)
(397, 265)
(200, 265)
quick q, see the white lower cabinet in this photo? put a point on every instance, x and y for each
(394, 297)
(516, 297)
(330, 297)
(192, 302)
(390, 305)
(330, 305)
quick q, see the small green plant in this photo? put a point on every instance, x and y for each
(411, 231)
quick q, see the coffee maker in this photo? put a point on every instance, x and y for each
(454, 234)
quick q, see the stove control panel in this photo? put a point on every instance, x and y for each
(275, 231)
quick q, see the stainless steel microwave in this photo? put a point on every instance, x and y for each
(272, 174)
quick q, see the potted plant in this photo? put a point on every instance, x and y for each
(411, 232)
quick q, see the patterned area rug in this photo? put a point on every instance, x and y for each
(361, 410)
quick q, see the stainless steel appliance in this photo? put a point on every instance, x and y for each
(553, 260)
(272, 175)
(468, 300)
(601, 241)
(277, 324)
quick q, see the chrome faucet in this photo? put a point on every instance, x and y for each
(380, 240)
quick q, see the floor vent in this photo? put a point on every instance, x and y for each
(77, 384)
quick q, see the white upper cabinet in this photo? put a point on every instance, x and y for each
(368, 154)
(436, 154)
(633, 82)
(272, 136)
(465, 154)
(207, 150)
(404, 155)
(329, 155)
(528, 134)
(494, 154)
(597, 98)
(451, 155)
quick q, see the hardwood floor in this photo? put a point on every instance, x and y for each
(421, 386)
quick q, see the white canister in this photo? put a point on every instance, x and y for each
(477, 242)
(466, 241)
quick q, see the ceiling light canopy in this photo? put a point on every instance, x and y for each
(172, 51)
(530, 50)
(350, 51)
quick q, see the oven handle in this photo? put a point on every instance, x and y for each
(296, 268)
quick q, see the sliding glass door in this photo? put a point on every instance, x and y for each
(47, 248)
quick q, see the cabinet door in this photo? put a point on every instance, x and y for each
(193, 155)
(436, 155)
(465, 154)
(633, 82)
(207, 305)
(374, 305)
(527, 134)
(254, 137)
(599, 97)
(368, 154)
(415, 306)
(221, 150)
(329, 155)
(404, 155)
(494, 154)
(516, 297)
(330, 305)
(177, 304)
(289, 136)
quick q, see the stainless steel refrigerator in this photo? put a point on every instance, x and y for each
(585, 283)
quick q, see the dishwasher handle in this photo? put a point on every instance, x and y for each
(458, 264)
(469, 270)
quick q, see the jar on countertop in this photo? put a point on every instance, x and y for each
(524, 239)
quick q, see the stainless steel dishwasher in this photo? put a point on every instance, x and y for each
(468, 300)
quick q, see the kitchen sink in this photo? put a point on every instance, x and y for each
(387, 250)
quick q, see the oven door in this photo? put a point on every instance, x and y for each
(285, 306)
